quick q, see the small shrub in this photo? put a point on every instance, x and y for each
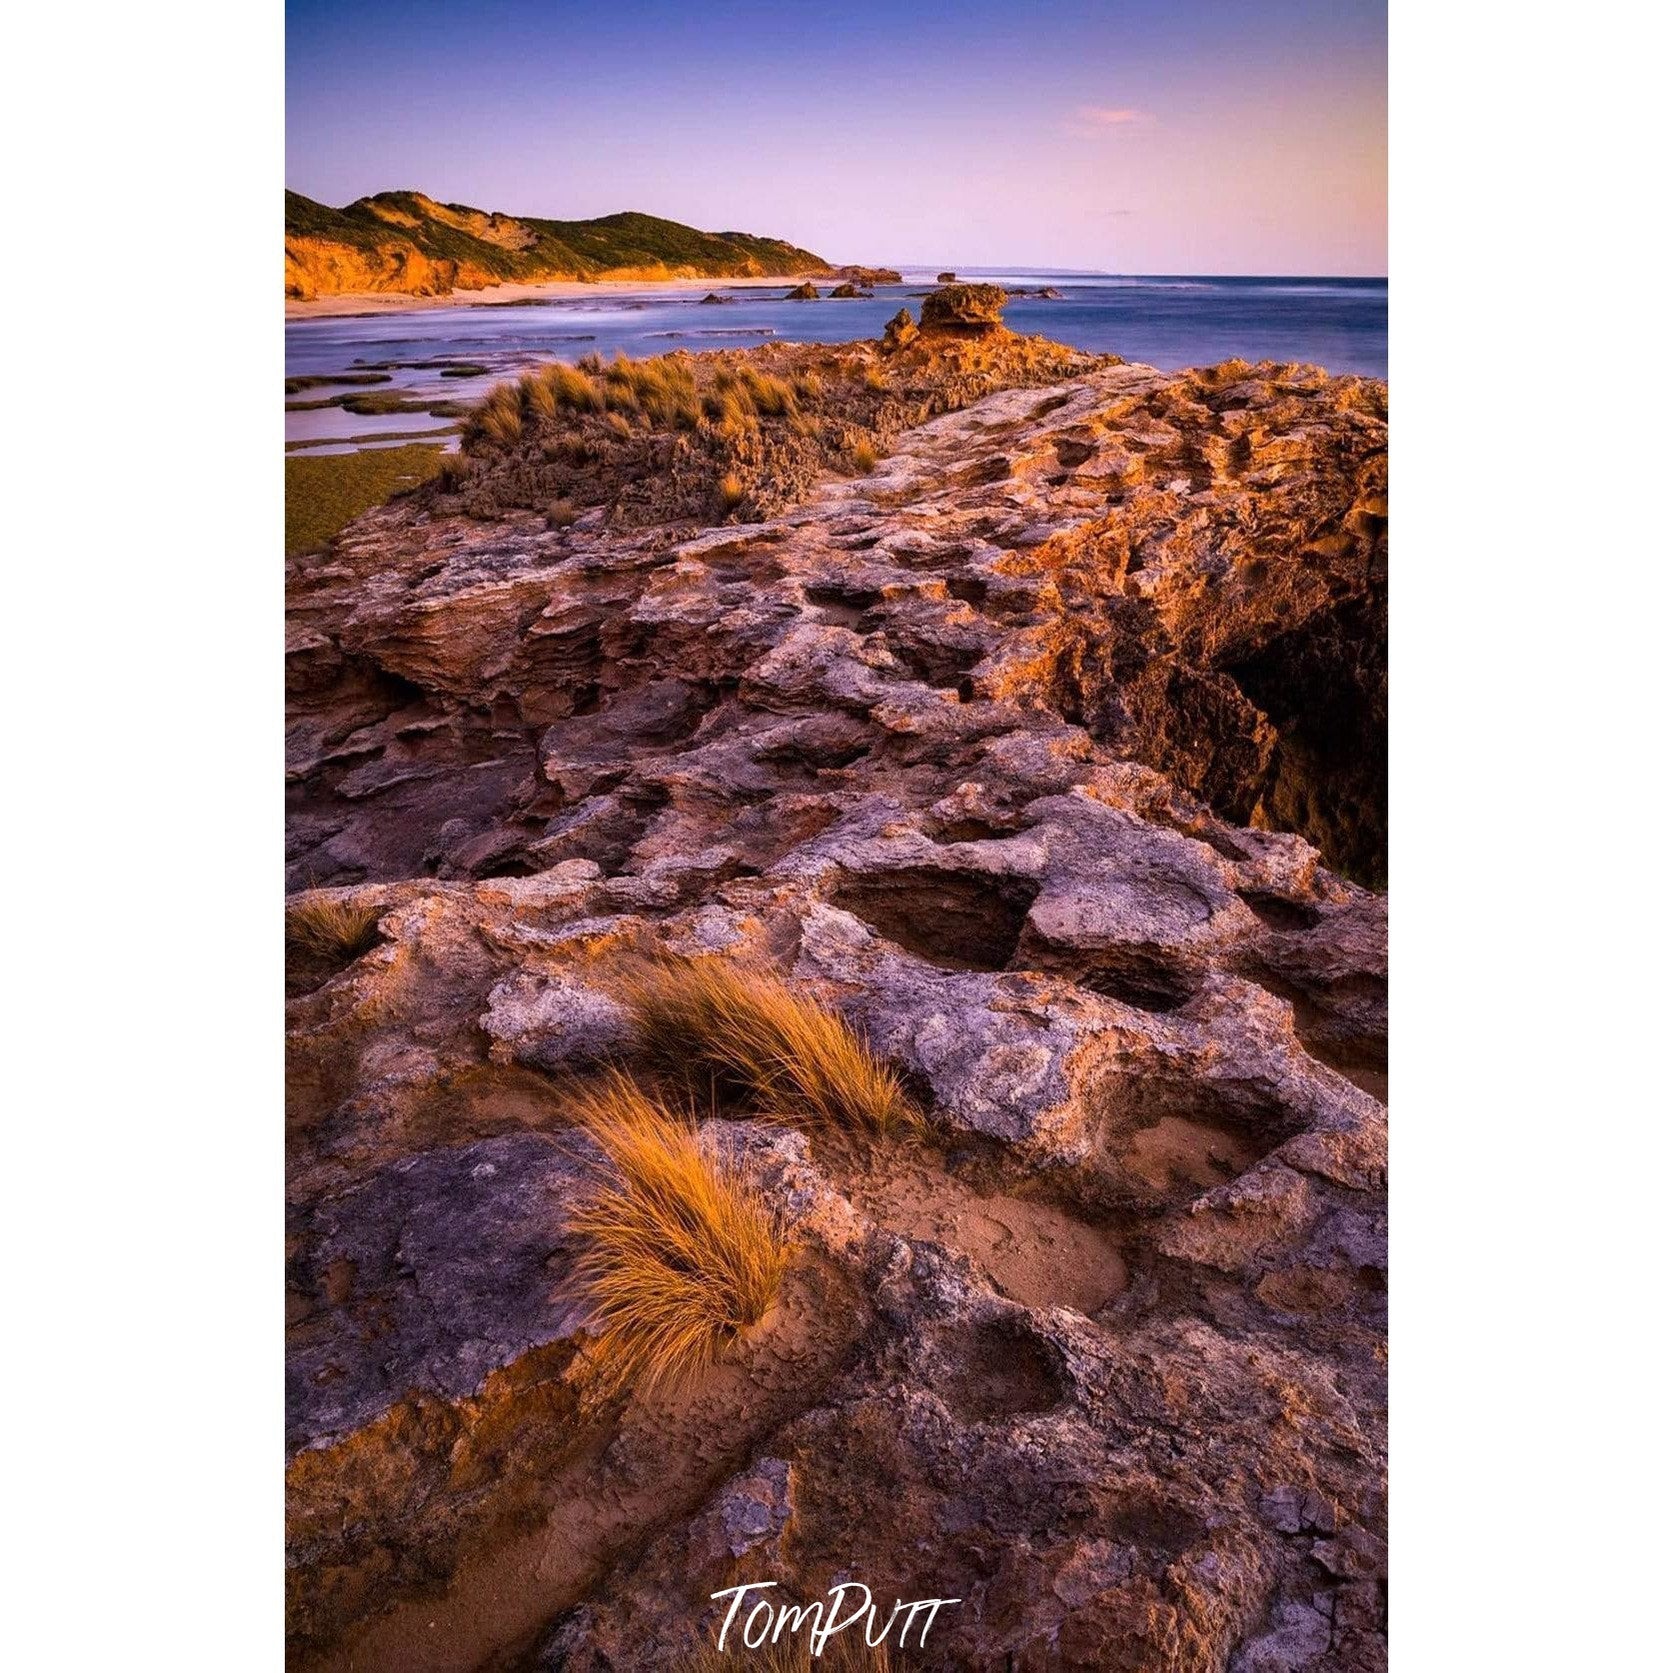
(864, 456)
(561, 513)
(785, 1053)
(875, 381)
(731, 492)
(680, 1253)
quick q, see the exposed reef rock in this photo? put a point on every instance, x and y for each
(1040, 750)
(806, 292)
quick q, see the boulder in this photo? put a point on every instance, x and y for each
(900, 331)
(948, 278)
(846, 292)
(964, 308)
(806, 292)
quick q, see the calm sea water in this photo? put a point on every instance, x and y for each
(1171, 322)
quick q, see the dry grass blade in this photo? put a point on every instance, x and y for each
(786, 1053)
(680, 1253)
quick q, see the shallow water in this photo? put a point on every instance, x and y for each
(1171, 322)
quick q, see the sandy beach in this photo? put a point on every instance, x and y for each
(500, 296)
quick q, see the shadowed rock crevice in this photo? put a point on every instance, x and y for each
(1003, 1371)
(958, 920)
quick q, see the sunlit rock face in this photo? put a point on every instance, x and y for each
(1049, 752)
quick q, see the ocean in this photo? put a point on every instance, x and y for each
(1166, 321)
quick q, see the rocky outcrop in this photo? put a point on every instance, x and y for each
(867, 276)
(1020, 749)
(900, 332)
(847, 293)
(805, 292)
(948, 278)
(964, 308)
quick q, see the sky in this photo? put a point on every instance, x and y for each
(1156, 136)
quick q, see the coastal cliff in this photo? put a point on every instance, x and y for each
(1025, 706)
(408, 243)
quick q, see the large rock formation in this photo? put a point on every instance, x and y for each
(1021, 749)
(964, 308)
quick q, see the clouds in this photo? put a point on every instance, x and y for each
(1108, 116)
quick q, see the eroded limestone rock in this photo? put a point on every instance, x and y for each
(1011, 749)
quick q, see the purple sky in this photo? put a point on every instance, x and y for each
(1168, 136)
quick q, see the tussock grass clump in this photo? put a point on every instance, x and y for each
(323, 936)
(455, 471)
(500, 417)
(786, 1054)
(662, 392)
(681, 1253)
(732, 492)
(331, 928)
(864, 457)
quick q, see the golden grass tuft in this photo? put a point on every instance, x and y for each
(540, 400)
(322, 937)
(681, 1253)
(791, 1057)
(732, 492)
(455, 471)
(500, 417)
(572, 388)
(321, 928)
(864, 457)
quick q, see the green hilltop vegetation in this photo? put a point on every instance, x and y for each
(405, 241)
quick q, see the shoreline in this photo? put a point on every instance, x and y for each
(352, 304)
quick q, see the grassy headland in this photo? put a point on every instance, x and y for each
(407, 242)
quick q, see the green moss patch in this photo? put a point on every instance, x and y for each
(324, 495)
